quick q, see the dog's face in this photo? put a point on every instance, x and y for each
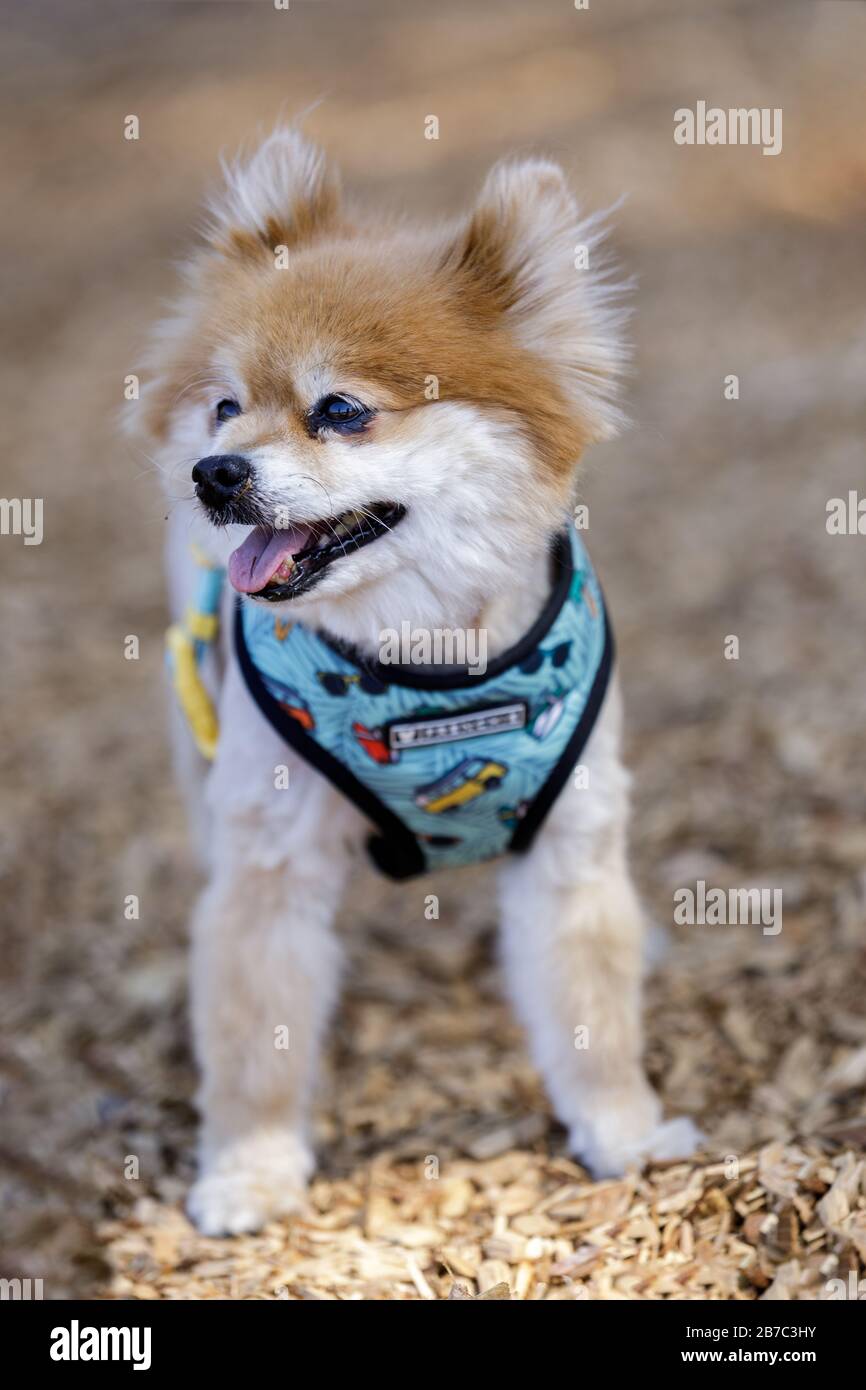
(384, 420)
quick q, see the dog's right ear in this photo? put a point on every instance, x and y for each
(285, 195)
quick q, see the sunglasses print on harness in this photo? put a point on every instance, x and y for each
(337, 684)
(557, 656)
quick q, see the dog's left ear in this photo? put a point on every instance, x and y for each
(285, 195)
(525, 254)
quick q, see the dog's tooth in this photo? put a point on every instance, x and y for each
(283, 571)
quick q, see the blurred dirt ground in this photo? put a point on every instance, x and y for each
(708, 519)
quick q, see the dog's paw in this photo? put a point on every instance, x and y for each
(611, 1155)
(675, 1138)
(249, 1183)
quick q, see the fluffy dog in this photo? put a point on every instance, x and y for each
(424, 395)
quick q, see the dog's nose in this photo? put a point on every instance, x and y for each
(221, 478)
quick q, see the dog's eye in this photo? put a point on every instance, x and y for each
(227, 410)
(338, 412)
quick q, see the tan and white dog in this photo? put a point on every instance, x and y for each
(294, 382)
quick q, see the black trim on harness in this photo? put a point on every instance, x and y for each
(461, 678)
(396, 851)
(529, 826)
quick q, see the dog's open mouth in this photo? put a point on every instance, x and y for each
(279, 565)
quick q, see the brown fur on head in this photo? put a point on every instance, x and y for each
(487, 359)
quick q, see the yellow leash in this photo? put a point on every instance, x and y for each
(186, 644)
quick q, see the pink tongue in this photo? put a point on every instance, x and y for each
(259, 557)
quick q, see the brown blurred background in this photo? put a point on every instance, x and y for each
(707, 519)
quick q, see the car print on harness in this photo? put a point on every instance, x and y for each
(374, 743)
(462, 784)
(290, 701)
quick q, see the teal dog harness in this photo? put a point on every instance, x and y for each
(452, 766)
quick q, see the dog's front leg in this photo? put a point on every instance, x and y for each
(572, 930)
(265, 975)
